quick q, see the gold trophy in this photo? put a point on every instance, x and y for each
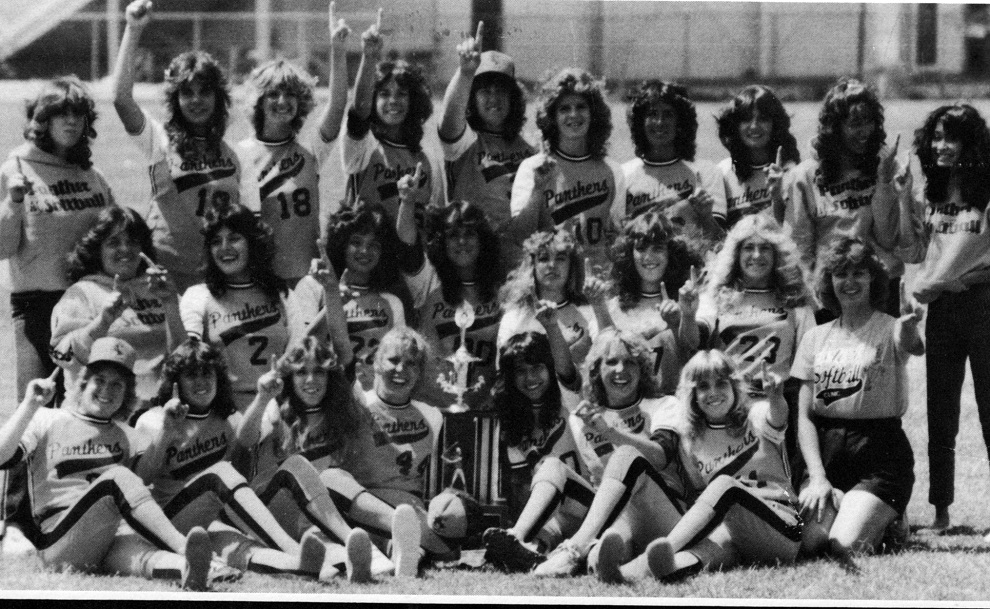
(456, 381)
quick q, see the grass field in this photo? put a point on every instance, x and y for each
(950, 567)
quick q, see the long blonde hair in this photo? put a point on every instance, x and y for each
(710, 364)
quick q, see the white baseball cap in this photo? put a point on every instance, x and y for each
(496, 62)
(112, 350)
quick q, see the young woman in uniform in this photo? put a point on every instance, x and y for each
(484, 110)
(756, 131)
(190, 166)
(571, 183)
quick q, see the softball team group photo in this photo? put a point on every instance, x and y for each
(693, 364)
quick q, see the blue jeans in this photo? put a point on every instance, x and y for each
(32, 315)
(958, 328)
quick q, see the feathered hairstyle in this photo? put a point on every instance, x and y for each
(828, 144)
(516, 117)
(787, 279)
(514, 408)
(442, 219)
(343, 415)
(86, 259)
(199, 67)
(280, 75)
(241, 220)
(649, 228)
(130, 387)
(711, 365)
(961, 123)
(520, 288)
(195, 355)
(574, 81)
(369, 220)
(61, 96)
(648, 95)
(410, 78)
(848, 253)
(406, 341)
(752, 100)
(594, 387)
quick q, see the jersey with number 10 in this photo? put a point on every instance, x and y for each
(181, 192)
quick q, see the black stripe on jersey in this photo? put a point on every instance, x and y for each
(74, 466)
(738, 213)
(193, 180)
(604, 449)
(733, 467)
(282, 177)
(390, 190)
(496, 171)
(450, 328)
(756, 506)
(318, 452)
(229, 336)
(197, 465)
(353, 327)
(573, 208)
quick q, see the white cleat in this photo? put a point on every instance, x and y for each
(406, 537)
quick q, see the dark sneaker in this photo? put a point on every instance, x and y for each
(506, 552)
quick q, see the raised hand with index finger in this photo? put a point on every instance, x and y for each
(270, 383)
(372, 41)
(338, 27)
(688, 295)
(595, 288)
(668, 308)
(887, 168)
(41, 391)
(469, 51)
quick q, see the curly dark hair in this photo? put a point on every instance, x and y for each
(199, 67)
(650, 228)
(828, 144)
(410, 77)
(575, 81)
(195, 355)
(752, 100)
(369, 220)
(85, 258)
(261, 252)
(512, 406)
(961, 123)
(846, 253)
(647, 95)
(516, 118)
(461, 214)
(61, 96)
(280, 75)
(344, 415)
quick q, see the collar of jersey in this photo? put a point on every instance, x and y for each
(87, 418)
(357, 288)
(392, 144)
(763, 166)
(278, 143)
(638, 401)
(662, 163)
(716, 425)
(758, 290)
(650, 294)
(392, 405)
(573, 159)
(468, 284)
(562, 303)
(313, 410)
(197, 416)
(240, 286)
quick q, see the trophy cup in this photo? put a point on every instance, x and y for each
(455, 382)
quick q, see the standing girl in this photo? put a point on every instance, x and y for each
(954, 280)
(190, 166)
(50, 195)
(240, 309)
(483, 114)
(756, 131)
(663, 124)
(571, 183)
(651, 263)
(848, 187)
(118, 291)
(383, 140)
(90, 511)
(853, 395)
(732, 448)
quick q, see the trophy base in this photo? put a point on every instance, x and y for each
(456, 408)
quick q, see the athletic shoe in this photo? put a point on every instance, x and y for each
(406, 537)
(358, 561)
(565, 561)
(222, 573)
(14, 543)
(505, 551)
(380, 564)
(199, 557)
(660, 558)
(312, 552)
(895, 537)
(610, 555)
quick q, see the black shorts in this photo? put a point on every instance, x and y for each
(871, 455)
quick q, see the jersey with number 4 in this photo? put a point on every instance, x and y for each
(65, 451)
(181, 192)
(245, 325)
(584, 195)
(396, 452)
(286, 179)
